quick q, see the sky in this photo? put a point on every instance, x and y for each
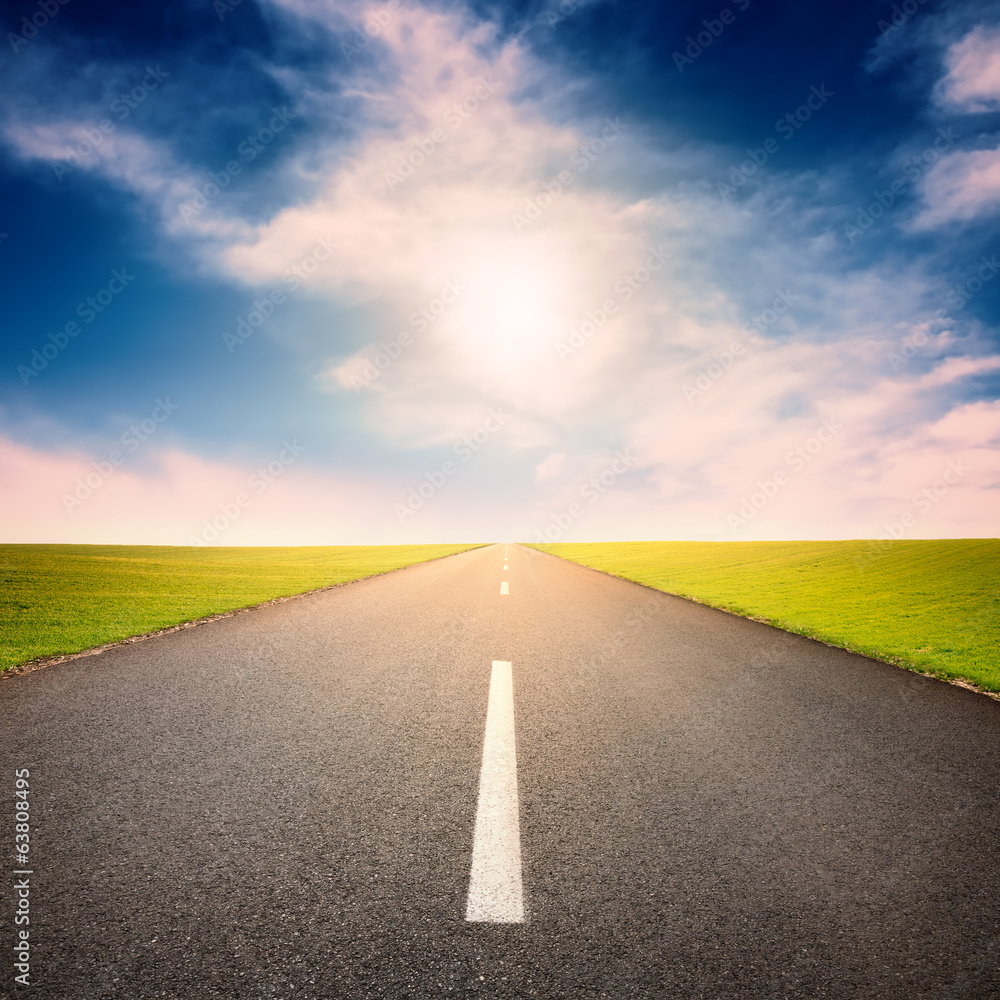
(283, 272)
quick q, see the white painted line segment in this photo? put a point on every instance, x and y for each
(495, 891)
(505, 588)
(505, 566)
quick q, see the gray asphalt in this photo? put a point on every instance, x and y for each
(281, 803)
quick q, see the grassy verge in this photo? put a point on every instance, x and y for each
(933, 606)
(59, 599)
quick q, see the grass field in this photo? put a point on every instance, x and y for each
(929, 605)
(57, 599)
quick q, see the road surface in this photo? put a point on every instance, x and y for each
(287, 803)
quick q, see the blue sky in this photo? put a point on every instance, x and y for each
(306, 272)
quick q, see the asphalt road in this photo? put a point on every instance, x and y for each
(282, 803)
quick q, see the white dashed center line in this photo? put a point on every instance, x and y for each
(505, 587)
(496, 894)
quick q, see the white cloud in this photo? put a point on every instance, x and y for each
(584, 311)
(143, 166)
(972, 82)
(963, 186)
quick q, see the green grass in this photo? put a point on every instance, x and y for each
(933, 606)
(59, 599)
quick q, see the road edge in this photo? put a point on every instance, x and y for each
(20, 669)
(898, 664)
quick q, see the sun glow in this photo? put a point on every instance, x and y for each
(511, 313)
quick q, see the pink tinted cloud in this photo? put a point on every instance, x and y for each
(68, 496)
(973, 79)
(966, 184)
(960, 187)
